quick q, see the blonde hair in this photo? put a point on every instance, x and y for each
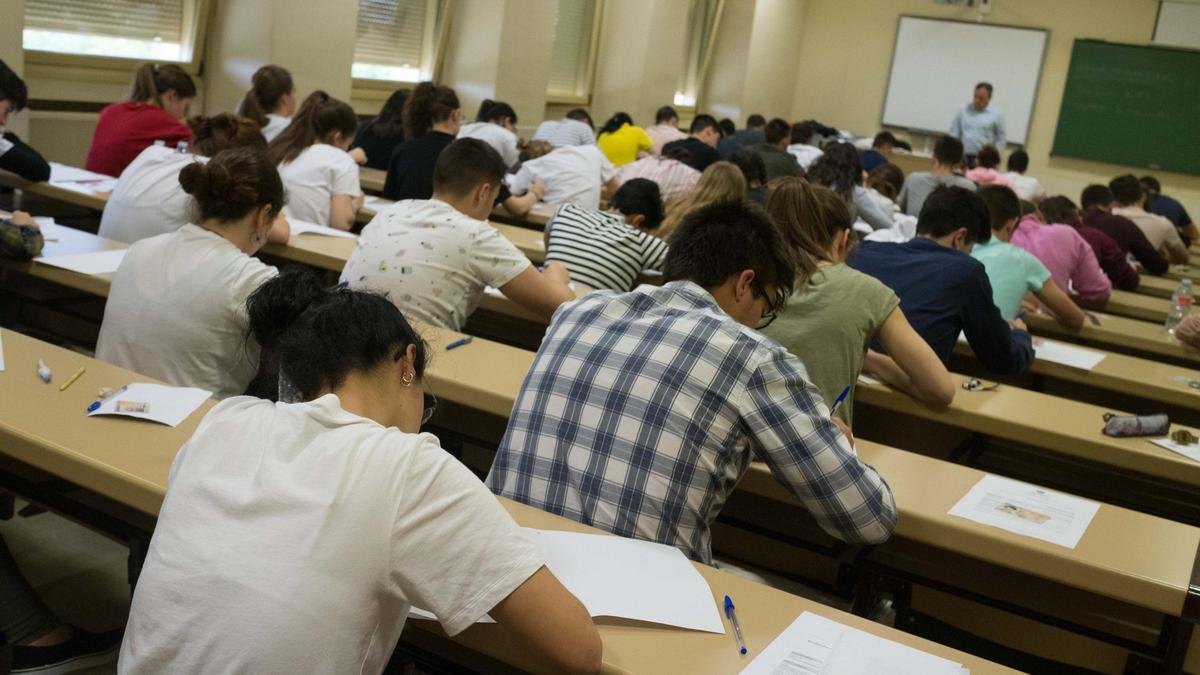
(720, 182)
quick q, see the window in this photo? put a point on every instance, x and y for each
(396, 39)
(148, 30)
(703, 17)
(574, 50)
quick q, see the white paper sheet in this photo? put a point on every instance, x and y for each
(48, 227)
(61, 173)
(1067, 355)
(1192, 452)
(377, 204)
(100, 262)
(867, 379)
(1027, 509)
(814, 645)
(166, 405)
(305, 227)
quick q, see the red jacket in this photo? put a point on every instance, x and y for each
(125, 129)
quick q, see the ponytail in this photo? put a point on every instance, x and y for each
(268, 85)
(809, 216)
(615, 122)
(495, 111)
(151, 81)
(427, 104)
(211, 135)
(318, 117)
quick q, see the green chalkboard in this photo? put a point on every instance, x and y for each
(1133, 105)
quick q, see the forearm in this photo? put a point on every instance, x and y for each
(23, 160)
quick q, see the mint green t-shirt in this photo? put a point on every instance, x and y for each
(829, 323)
(1013, 272)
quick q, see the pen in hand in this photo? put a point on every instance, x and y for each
(838, 401)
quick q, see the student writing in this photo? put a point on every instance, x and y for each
(320, 176)
(158, 101)
(271, 101)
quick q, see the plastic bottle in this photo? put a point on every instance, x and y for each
(1181, 305)
(181, 147)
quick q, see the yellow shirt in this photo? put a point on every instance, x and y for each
(623, 145)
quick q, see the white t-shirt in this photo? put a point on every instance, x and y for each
(275, 126)
(1027, 187)
(573, 174)
(502, 140)
(148, 199)
(176, 311)
(805, 154)
(432, 261)
(294, 537)
(318, 173)
(565, 132)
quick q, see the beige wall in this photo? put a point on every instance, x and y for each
(12, 14)
(640, 62)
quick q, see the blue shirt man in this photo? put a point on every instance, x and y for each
(977, 125)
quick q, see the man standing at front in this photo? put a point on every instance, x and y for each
(978, 124)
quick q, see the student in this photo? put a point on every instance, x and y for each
(774, 152)
(158, 101)
(431, 121)
(1072, 263)
(673, 176)
(1026, 187)
(839, 169)
(1013, 271)
(621, 141)
(574, 129)
(947, 157)
(701, 142)
(830, 321)
(320, 176)
(433, 258)
(176, 310)
(20, 237)
(609, 250)
(1096, 202)
(649, 437)
(1113, 261)
(665, 129)
(880, 152)
(753, 169)
(495, 125)
(571, 174)
(378, 138)
(805, 154)
(15, 156)
(754, 133)
(943, 290)
(985, 172)
(335, 516)
(271, 101)
(726, 145)
(721, 182)
(884, 183)
(148, 199)
(1130, 202)
(1169, 208)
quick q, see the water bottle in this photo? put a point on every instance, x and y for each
(181, 147)
(1181, 305)
(160, 143)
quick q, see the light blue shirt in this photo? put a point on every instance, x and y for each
(978, 128)
(1013, 272)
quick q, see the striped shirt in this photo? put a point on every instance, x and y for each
(600, 249)
(674, 178)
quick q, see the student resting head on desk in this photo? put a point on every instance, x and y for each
(1096, 202)
(1113, 261)
(271, 101)
(334, 515)
(622, 141)
(176, 309)
(1129, 200)
(378, 138)
(496, 125)
(15, 156)
(674, 391)
(571, 174)
(701, 142)
(1063, 250)
(158, 101)
(801, 148)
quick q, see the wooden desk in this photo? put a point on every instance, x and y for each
(372, 180)
(1158, 287)
(1180, 272)
(1122, 334)
(531, 242)
(65, 193)
(1138, 306)
(909, 163)
(70, 242)
(536, 219)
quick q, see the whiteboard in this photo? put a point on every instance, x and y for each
(937, 63)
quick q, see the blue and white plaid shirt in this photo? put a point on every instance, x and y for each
(640, 411)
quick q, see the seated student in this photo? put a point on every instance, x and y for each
(801, 148)
(830, 321)
(774, 152)
(435, 257)
(1026, 187)
(1169, 208)
(1188, 330)
(148, 199)
(884, 183)
(496, 125)
(609, 250)
(176, 309)
(726, 145)
(1129, 201)
(880, 152)
(665, 129)
(158, 101)
(985, 171)
(431, 121)
(378, 138)
(1096, 202)
(271, 101)
(1013, 271)
(15, 156)
(701, 142)
(840, 170)
(673, 176)
(721, 182)
(320, 176)
(678, 390)
(754, 133)
(947, 157)
(20, 237)
(1071, 261)
(572, 174)
(334, 515)
(574, 129)
(1113, 261)
(753, 169)
(943, 290)
(621, 141)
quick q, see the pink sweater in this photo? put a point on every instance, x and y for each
(1070, 259)
(990, 177)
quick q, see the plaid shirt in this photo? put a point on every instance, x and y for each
(18, 241)
(640, 411)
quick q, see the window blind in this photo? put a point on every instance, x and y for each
(391, 32)
(155, 20)
(572, 46)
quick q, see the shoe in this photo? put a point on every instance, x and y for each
(83, 650)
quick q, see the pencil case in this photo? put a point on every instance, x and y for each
(1136, 425)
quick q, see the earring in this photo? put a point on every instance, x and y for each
(408, 378)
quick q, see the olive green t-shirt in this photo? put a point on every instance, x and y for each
(829, 323)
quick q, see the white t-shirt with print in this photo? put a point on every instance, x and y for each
(318, 172)
(502, 140)
(432, 261)
(294, 537)
(148, 199)
(573, 175)
(176, 311)
(275, 126)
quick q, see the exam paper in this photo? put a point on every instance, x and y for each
(377, 204)
(61, 173)
(1067, 355)
(154, 402)
(1027, 509)
(1192, 451)
(305, 227)
(48, 227)
(100, 262)
(814, 645)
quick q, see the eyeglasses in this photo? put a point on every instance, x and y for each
(772, 312)
(430, 408)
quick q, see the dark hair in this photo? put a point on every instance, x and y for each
(232, 184)
(321, 335)
(428, 103)
(581, 115)
(389, 123)
(679, 153)
(1002, 204)
(726, 127)
(755, 121)
(1150, 184)
(802, 132)
(1096, 195)
(267, 86)
(839, 169)
(702, 122)
(985, 85)
(1027, 207)
(752, 165)
(495, 111)
(988, 157)
(615, 122)
(950, 207)
(640, 196)
(12, 88)
(1126, 190)
(151, 81)
(319, 116)
(887, 179)
(777, 130)
(1018, 161)
(948, 151)
(464, 164)
(665, 114)
(721, 240)
(1059, 209)
(809, 217)
(211, 135)
(883, 138)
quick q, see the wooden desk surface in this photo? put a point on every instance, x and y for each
(536, 219)
(1158, 287)
(1138, 306)
(1119, 332)
(70, 242)
(531, 242)
(1179, 272)
(371, 180)
(58, 192)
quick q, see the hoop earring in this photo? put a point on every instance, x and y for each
(408, 378)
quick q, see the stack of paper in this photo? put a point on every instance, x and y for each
(1067, 355)
(305, 227)
(1027, 509)
(154, 402)
(100, 262)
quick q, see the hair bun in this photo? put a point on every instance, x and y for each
(195, 180)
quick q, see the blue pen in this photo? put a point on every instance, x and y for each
(838, 401)
(737, 627)
(458, 343)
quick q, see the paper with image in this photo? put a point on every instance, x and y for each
(154, 402)
(1192, 451)
(1027, 509)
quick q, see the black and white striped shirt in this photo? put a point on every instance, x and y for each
(600, 249)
